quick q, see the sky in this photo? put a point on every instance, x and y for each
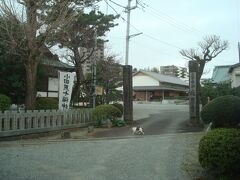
(172, 25)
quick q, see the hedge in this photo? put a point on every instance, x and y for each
(119, 106)
(222, 112)
(103, 112)
(219, 151)
(43, 103)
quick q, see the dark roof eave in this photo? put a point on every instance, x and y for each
(56, 64)
(233, 66)
(150, 88)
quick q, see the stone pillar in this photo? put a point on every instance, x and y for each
(193, 93)
(127, 94)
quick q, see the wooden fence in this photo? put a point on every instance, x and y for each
(14, 123)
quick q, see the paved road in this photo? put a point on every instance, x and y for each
(150, 157)
(156, 119)
(144, 158)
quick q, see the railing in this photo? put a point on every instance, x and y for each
(14, 123)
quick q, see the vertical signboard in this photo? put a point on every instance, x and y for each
(192, 94)
(66, 80)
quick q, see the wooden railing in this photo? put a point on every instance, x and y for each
(14, 123)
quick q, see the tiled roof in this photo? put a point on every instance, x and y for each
(164, 78)
(220, 74)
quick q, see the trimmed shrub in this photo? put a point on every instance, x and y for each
(104, 112)
(222, 112)
(119, 106)
(219, 151)
(5, 102)
(119, 123)
(46, 103)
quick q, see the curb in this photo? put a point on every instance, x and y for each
(41, 142)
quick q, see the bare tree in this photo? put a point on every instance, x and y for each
(36, 23)
(110, 77)
(210, 47)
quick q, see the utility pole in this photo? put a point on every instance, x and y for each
(238, 51)
(128, 36)
(127, 72)
(128, 11)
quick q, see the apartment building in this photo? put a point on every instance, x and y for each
(98, 54)
(176, 71)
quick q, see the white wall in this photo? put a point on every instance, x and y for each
(52, 84)
(143, 80)
(41, 94)
(45, 94)
(235, 77)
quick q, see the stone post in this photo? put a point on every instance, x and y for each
(193, 93)
(127, 94)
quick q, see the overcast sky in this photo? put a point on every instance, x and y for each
(169, 25)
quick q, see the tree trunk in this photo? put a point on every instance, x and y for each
(79, 73)
(200, 72)
(31, 76)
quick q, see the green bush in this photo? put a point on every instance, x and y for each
(119, 106)
(222, 112)
(5, 102)
(104, 112)
(119, 123)
(219, 151)
(46, 103)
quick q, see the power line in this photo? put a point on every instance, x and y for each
(152, 37)
(171, 19)
(111, 7)
(163, 42)
(153, 49)
(122, 38)
(177, 26)
(146, 35)
(117, 4)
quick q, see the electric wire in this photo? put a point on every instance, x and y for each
(118, 4)
(137, 29)
(111, 7)
(170, 19)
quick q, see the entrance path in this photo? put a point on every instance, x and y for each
(155, 119)
(165, 152)
(156, 157)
